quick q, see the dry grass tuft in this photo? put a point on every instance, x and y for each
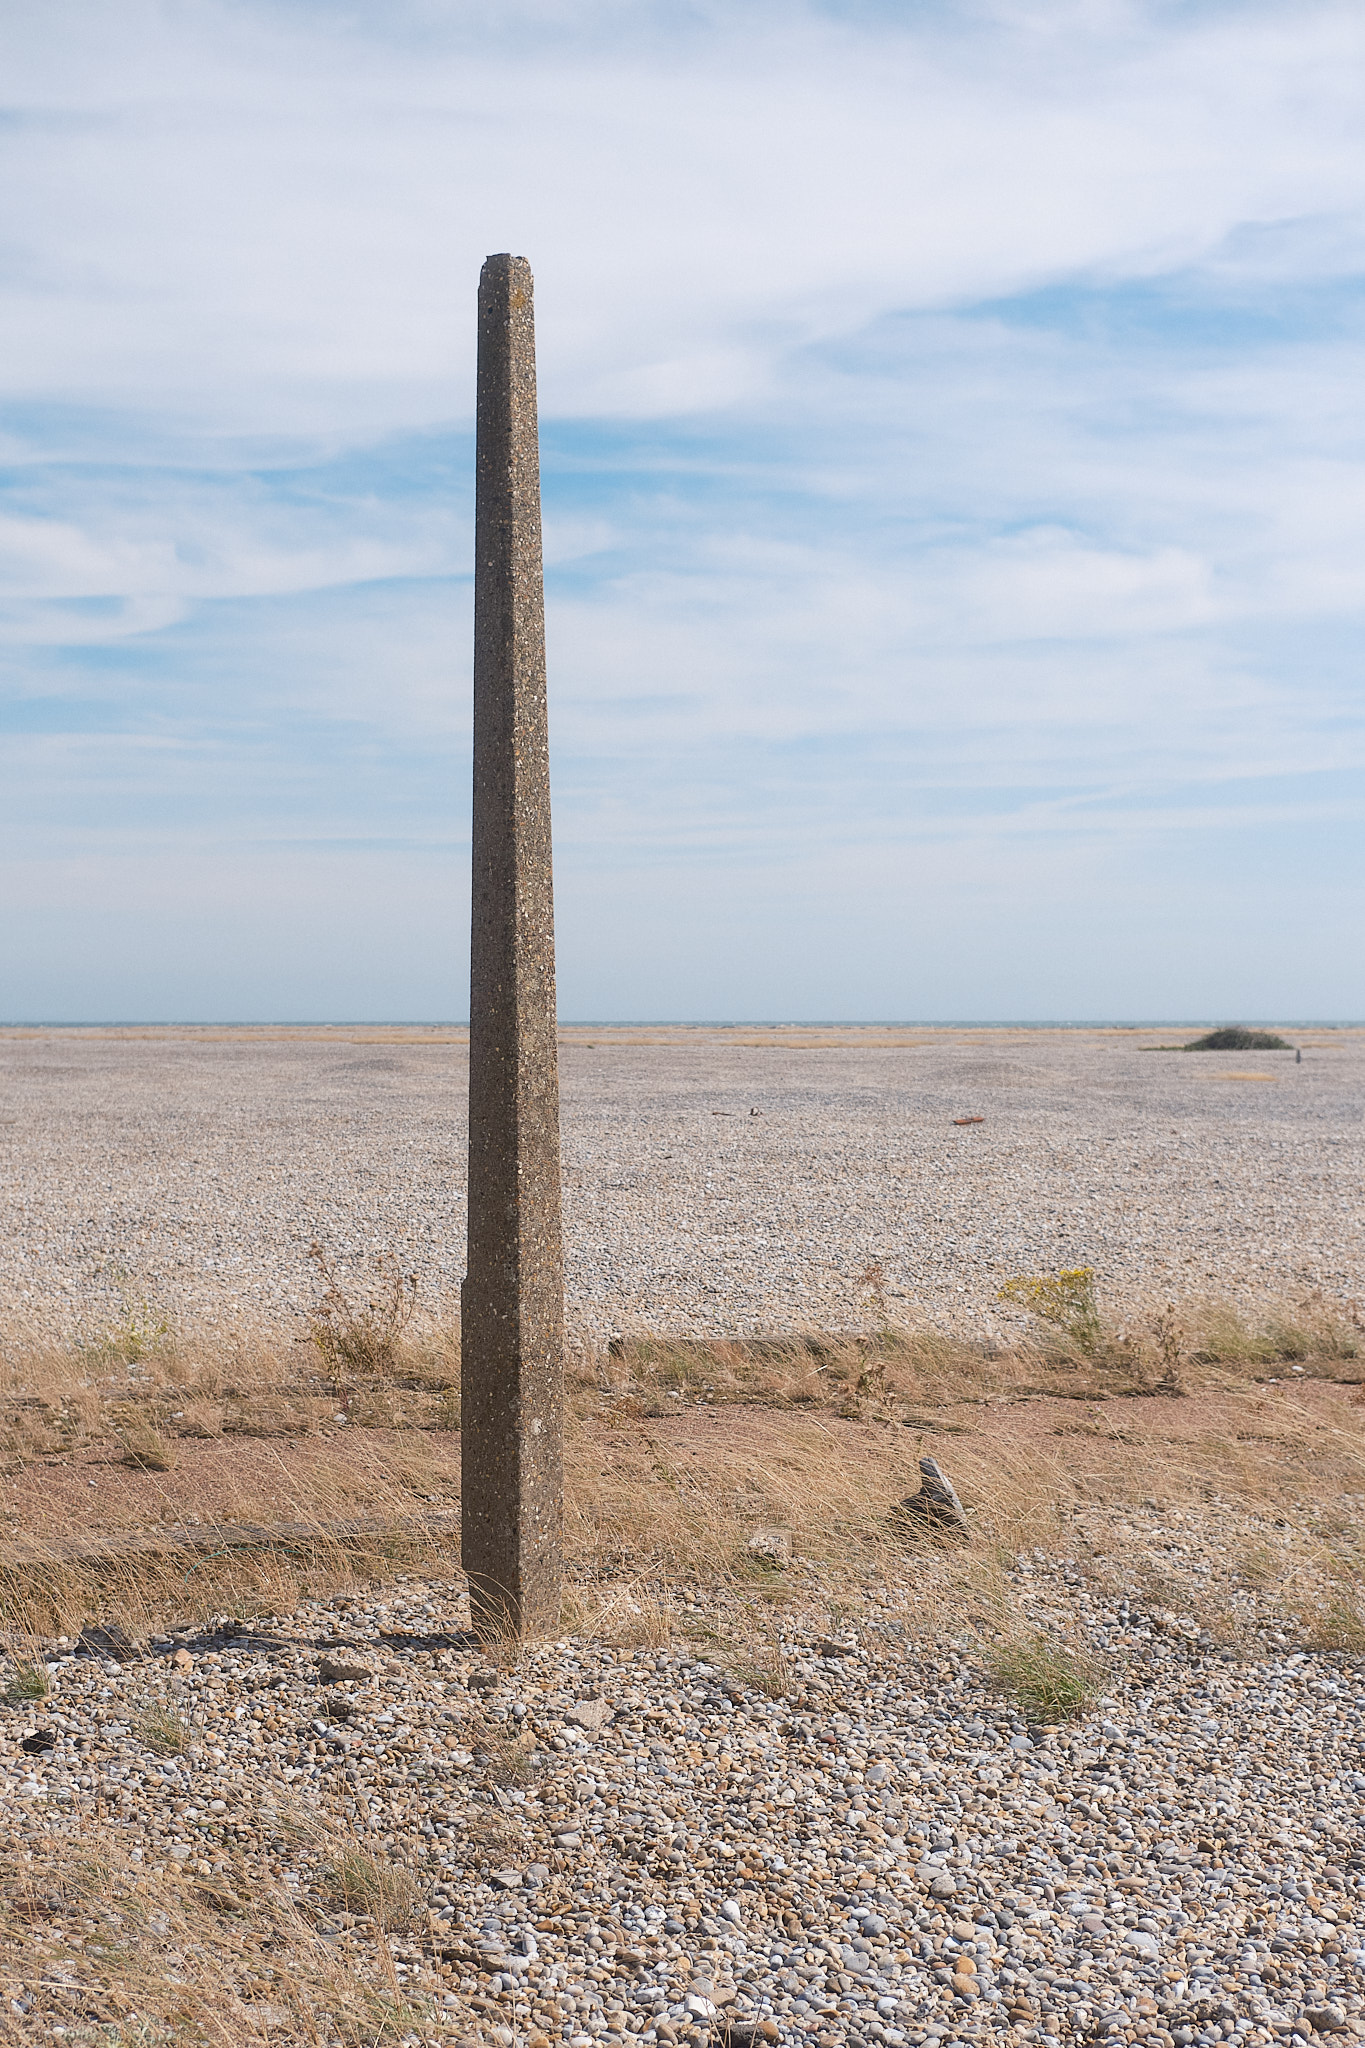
(764, 1669)
(855, 1374)
(200, 1417)
(114, 1953)
(1292, 1333)
(510, 1759)
(632, 1613)
(1340, 1626)
(1052, 1680)
(165, 1733)
(359, 1334)
(365, 1883)
(687, 1497)
(144, 1448)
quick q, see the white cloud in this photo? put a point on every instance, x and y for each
(167, 549)
(275, 216)
(26, 623)
(864, 584)
(50, 558)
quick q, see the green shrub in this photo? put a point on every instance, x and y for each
(30, 1682)
(1050, 1681)
(1236, 1038)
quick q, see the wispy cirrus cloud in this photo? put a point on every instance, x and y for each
(954, 496)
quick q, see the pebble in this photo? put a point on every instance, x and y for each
(1183, 1859)
(588, 1714)
(192, 1174)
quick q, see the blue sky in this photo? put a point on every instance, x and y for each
(954, 489)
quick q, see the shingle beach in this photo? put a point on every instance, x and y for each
(797, 1804)
(715, 1182)
(887, 1853)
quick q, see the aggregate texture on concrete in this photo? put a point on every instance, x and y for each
(714, 1181)
(512, 1320)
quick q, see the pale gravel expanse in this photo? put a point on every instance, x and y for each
(190, 1171)
(888, 1853)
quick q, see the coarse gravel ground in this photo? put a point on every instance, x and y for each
(715, 1181)
(613, 1842)
(818, 1820)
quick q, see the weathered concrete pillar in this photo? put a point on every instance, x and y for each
(512, 1334)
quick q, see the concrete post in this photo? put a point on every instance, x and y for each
(512, 1307)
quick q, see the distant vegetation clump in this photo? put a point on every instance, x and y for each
(1066, 1300)
(1236, 1038)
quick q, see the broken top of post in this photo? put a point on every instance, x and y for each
(512, 1308)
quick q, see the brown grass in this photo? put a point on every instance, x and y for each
(164, 1731)
(115, 1953)
(358, 1322)
(1228, 1514)
(678, 1450)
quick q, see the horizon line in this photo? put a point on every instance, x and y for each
(682, 1023)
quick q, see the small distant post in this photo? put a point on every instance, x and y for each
(512, 1302)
